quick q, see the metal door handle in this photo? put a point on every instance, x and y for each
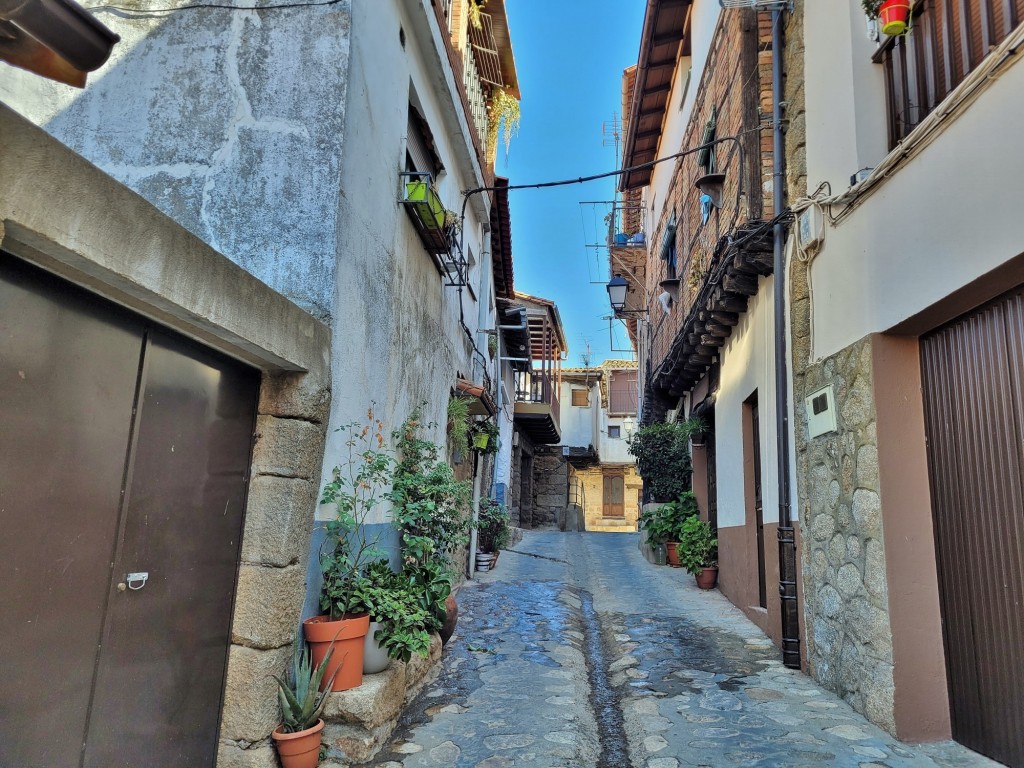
(137, 581)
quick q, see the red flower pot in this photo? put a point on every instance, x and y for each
(347, 636)
(299, 750)
(895, 16)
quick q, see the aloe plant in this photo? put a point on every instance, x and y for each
(302, 701)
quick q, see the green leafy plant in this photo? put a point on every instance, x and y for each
(662, 454)
(356, 488)
(871, 7)
(405, 624)
(494, 527)
(665, 523)
(428, 502)
(458, 424)
(698, 547)
(302, 701)
(492, 345)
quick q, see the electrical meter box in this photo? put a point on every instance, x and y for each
(810, 228)
(821, 412)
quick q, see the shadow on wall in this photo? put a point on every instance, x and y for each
(230, 122)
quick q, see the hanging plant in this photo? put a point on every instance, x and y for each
(871, 8)
(503, 117)
(476, 7)
(458, 424)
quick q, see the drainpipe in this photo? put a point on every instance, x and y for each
(787, 536)
(477, 482)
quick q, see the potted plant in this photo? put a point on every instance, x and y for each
(485, 436)
(493, 532)
(458, 425)
(698, 551)
(894, 15)
(426, 202)
(431, 509)
(665, 524)
(354, 491)
(297, 738)
(398, 621)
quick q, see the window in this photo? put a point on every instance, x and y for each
(950, 39)
(581, 397)
(622, 392)
(614, 433)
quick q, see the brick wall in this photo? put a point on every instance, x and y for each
(736, 85)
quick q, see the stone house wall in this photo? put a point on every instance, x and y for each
(550, 486)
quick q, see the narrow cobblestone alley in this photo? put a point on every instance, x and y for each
(575, 651)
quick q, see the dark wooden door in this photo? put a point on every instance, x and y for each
(144, 471)
(614, 496)
(973, 375)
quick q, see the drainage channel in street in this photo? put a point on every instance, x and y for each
(611, 731)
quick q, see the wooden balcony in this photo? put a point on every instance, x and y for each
(536, 397)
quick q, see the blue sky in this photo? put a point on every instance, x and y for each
(569, 58)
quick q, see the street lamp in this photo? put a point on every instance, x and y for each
(617, 288)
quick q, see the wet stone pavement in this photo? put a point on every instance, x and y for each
(575, 652)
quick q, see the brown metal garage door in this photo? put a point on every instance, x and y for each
(973, 372)
(124, 449)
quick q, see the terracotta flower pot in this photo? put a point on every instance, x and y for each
(450, 620)
(894, 16)
(299, 750)
(707, 578)
(347, 636)
(671, 554)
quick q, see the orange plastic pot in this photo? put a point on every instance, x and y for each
(894, 16)
(299, 750)
(348, 637)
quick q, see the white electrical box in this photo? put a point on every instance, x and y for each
(810, 228)
(821, 412)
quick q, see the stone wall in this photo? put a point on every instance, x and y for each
(849, 643)
(550, 486)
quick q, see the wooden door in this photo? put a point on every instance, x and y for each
(125, 450)
(614, 496)
(973, 376)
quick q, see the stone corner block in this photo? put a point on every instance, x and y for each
(278, 520)
(267, 605)
(295, 395)
(377, 701)
(420, 668)
(251, 711)
(233, 756)
(287, 447)
(354, 744)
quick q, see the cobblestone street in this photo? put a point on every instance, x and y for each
(575, 651)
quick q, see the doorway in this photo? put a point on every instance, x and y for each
(973, 376)
(124, 465)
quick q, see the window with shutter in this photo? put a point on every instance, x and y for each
(581, 397)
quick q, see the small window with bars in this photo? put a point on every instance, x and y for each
(614, 433)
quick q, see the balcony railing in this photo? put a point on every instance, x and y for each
(538, 386)
(476, 95)
(949, 38)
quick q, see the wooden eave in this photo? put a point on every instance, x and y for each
(740, 259)
(543, 315)
(501, 242)
(501, 39)
(664, 39)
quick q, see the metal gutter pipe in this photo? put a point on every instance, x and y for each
(787, 535)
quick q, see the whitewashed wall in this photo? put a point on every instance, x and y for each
(947, 216)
